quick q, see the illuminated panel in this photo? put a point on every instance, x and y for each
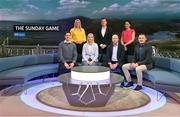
(90, 76)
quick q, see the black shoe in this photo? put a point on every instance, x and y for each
(122, 84)
(138, 87)
(129, 84)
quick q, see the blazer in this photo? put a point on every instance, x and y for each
(144, 57)
(120, 54)
(103, 40)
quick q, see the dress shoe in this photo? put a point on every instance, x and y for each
(138, 87)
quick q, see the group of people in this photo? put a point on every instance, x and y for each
(106, 48)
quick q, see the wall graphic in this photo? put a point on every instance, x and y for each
(159, 19)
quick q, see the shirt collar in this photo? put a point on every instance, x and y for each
(90, 44)
(142, 45)
(115, 45)
(67, 41)
(103, 27)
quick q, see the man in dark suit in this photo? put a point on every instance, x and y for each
(103, 39)
(142, 62)
(115, 53)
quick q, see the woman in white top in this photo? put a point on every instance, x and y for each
(90, 51)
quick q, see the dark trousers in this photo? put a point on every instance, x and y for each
(79, 51)
(62, 69)
(129, 52)
(102, 56)
(103, 59)
(118, 70)
(79, 48)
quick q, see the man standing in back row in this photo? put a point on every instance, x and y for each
(103, 39)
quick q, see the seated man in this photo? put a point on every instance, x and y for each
(90, 51)
(141, 62)
(67, 53)
(115, 53)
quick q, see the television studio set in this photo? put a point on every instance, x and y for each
(89, 58)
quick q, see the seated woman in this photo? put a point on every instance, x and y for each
(90, 51)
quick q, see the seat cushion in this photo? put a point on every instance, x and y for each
(175, 65)
(45, 58)
(28, 72)
(165, 77)
(161, 76)
(16, 61)
(27, 60)
(162, 62)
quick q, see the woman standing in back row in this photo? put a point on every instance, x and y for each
(127, 39)
(78, 35)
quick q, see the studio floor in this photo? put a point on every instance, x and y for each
(12, 105)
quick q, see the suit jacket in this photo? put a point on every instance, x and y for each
(120, 54)
(144, 57)
(103, 40)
